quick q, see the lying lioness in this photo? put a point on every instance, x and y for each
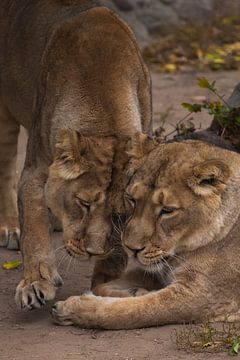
(72, 74)
(183, 234)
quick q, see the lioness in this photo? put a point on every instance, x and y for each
(72, 74)
(183, 234)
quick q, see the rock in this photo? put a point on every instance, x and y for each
(150, 17)
(158, 18)
(167, 2)
(234, 99)
(223, 9)
(138, 27)
(133, 21)
(125, 5)
(194, 12)
(109, 4)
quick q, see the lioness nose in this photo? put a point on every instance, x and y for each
(94, 251)
(136, 250)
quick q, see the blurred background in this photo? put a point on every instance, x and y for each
(182, 40)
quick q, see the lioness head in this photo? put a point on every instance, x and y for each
(76, 191)
(181, 195)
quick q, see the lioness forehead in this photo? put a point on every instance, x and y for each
(170, 163)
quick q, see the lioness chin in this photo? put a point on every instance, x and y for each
(184, 236)
(72, 74)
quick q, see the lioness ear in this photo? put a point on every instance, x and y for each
(69, 150)
(209, 177)
(138, 147)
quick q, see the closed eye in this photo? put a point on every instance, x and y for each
(83, 203)
(167, 211)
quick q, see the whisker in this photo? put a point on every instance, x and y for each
(182, 262)
(74, 263)
(118, 230)
(59, 248)
(170, 268)
(62, 260)
(68, 267)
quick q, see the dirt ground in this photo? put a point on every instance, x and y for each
(32, 335)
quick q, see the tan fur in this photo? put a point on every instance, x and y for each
(183, 235)
(72, 74)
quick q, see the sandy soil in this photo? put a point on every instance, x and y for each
(32, 335)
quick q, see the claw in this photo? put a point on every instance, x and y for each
(39, 295)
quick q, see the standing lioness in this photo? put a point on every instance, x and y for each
(72, 74)
(184, 236)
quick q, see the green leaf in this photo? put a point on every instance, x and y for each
(197, 107)
(235, 347)
(9, 265)
(237, 119)
(192, 107)
(188, 106)
(204, 83)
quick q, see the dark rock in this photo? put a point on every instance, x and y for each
(194, 12)
(148, 17)
(207, 136)
(125, 5)
(167, 2)
(110, 4)
(159, 18)
(234, 99)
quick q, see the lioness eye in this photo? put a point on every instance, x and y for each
(167, 210)
(83, 203)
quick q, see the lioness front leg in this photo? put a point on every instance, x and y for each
(135, 282)
(109, 269)
(9, 227)
(40, 274)
(174, 304)
(119, 288)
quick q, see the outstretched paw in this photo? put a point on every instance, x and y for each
(79, 310)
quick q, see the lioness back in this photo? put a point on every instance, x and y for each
(42, 36)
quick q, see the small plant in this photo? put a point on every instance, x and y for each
(226, 116)
(226, 119)
(183, 127)
(208, 338)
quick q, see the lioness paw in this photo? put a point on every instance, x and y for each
(113, 289)
(33, 295)
(61, 314)
(80, 310)
(10, 237)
